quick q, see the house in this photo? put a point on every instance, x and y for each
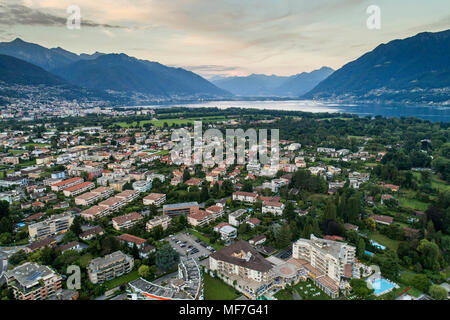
(258, 240)
(228, 233)
(349, 226)
(220, 225)
(382, 219)
(253, 222)
(131, 240)
(74, 245)
(146, 250)
(92, 233)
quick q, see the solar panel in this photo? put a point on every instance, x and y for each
(34, 276)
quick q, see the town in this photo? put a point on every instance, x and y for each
(357, 209)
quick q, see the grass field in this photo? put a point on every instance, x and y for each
(413, 204)
(385, 241)
(133, 275)
(283, 295)
(216, 289)
(307, 293)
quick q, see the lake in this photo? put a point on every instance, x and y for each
(434, 113)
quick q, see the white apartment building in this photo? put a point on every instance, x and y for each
(331, 258)
(233, 218)
(273, 207)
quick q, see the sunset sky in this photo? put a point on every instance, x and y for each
(228, 37)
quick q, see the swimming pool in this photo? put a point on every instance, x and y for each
(381, 286)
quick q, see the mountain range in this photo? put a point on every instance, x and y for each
(260, 85)
(415, 69)
(411, 70)
(113, 72)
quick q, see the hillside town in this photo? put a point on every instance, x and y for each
(107, 198)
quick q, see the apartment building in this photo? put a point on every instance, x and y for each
(126, 221)
(163, 221)
(59, 186)
(245, 196)
(199, 218)
(109, 267)
(234, 217)
(156, 199)
(93, 196)
(273, 207)
(178, 209)
(128, 195)
(31, 281)
(112, 204)
(54, 225)
(216, 211)
(95, 212)
(241, 262)
(78, 189)
(330, 261)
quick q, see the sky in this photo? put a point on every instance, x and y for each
(224, 37)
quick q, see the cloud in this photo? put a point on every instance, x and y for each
(18, 14)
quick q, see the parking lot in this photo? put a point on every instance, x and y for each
(189, 246)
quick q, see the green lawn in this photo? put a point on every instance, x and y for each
(205, 239)
(133, 275)
(413, 204)
(216, 289)
(84, 260)
(283, 295)
(307, 293)
(440, 185)
(385, 241)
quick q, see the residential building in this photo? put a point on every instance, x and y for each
(59, 186)
(245, 196)
(109, 267)
(178, 209)
(31, 281)
(54, 225)
(126, 221)
(163, 221)
(156, 199)
(78, 189)
(234, 217)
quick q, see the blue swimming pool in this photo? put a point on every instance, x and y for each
(382, 286)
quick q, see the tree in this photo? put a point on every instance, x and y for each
(144, 271)
(186, 175)
(429, 254)
(421, 282)
(361, 248)
(438, 292)
(360, 288)
(76, 226)
(166, 258)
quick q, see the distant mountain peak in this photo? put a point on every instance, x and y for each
(403, 70)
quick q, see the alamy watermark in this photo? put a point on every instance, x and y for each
(211, 146)
(373, 22)
(74, 19)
